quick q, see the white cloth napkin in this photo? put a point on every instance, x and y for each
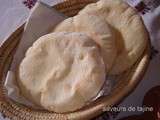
(41, 21)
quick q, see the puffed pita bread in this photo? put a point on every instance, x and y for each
(131, 34)
(62, 71)
(98, 29)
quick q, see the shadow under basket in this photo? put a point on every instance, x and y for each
(126, 84)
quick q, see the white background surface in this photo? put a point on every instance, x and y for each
(13, 13)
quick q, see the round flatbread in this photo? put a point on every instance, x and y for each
(96, 28)
(62, 71)
(131, 35)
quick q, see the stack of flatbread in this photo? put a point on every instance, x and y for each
(64, 70)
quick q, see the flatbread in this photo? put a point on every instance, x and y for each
(131, 34)
(96, 28)
(62, 71)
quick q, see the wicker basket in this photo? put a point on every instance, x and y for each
(126, 84)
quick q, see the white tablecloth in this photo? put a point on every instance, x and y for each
(13, 13)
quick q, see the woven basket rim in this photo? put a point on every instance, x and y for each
(88, 112)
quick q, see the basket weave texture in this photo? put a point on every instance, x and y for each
(126, 83)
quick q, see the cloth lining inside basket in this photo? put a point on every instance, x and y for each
(34, 28)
